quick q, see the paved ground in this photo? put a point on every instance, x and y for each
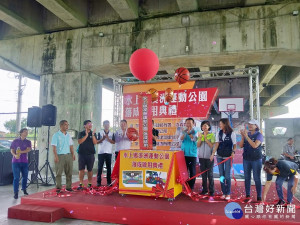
(7, 200)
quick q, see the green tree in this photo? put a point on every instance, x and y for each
(11, 125)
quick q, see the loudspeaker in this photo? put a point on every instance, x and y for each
(49, 115)
(34, 117)
(6, 175)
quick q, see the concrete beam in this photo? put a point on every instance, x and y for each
(269, 74)
(66, 13)
(108, 84)
(239, 67)
(204, 69)
(187, 5)
(17, 21)
(294, 92)
(279, 79)
(265, 93)
(127, 9)
(271, 111)
(281, 90)
(254, 2)
(18, 69)
(170, 71)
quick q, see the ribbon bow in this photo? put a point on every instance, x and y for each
(159, 190)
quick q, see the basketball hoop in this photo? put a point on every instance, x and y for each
(231, 107)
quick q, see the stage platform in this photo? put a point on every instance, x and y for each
(132, 209)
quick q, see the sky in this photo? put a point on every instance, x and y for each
(8, 99)
(8, 95)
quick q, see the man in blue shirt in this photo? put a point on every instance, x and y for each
(189, 146)
(64, 156)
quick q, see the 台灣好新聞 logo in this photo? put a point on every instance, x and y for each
(233, 210)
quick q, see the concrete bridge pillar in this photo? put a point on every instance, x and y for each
(78, 97)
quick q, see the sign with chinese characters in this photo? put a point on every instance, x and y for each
(169, 118)
(145, 122)
(270, 212)
(185, 103)
(142, 170)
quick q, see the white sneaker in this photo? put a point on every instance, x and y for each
(227, 197)
(222, 197)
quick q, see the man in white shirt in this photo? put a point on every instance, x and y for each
(122, 141)
(106, 140)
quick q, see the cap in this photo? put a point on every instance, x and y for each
(254, 122)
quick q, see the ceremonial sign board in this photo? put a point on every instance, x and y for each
(151, 172)
(169, 117)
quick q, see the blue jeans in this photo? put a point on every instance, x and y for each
(224, 170)
(279, 183)
(17, 168)
(256, 167)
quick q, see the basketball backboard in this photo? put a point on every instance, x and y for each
(231, 104)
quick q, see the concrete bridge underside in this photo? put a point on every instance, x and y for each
(75, 47)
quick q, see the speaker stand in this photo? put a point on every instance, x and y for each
(36, 175)
(47, 167)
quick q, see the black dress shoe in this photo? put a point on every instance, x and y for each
(16, 195)
(280, 202)
(25, 192)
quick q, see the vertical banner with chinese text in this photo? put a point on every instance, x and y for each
(145, 121)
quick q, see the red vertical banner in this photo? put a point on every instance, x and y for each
(145, 121)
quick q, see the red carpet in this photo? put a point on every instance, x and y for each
(148, 210)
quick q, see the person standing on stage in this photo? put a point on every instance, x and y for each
(155, 134)
(225, 147)
(86, 152)
(288, 150)
(285, 171)
(189, 146)
(64, 156)
(252, 157)
(122, 141)
(106, 140)
(19, 149)
(205, 144)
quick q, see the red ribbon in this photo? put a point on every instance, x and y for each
(160, 191)
(197, 175)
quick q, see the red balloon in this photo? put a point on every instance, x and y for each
(144, 64)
